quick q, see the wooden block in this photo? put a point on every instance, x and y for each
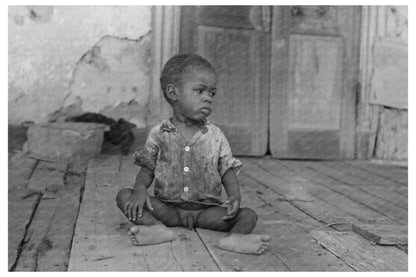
(68, 141)
(360, 254)
(382, 234)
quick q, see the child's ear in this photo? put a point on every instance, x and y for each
(171, 92)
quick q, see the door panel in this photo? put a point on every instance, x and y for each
(229, 38)
(312, 93)
(315, 71)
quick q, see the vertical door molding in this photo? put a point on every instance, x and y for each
(367, 113)
(166, 27)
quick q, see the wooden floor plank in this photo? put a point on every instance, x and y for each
(374, 203)
(20, 167)
(369, 177)
(62, 230)
(51, 230)
(366, 183)
(48, 174)
(291, 248)
(20, 211)
(394, 173)
(369, 206)
(361, 254)
(101, 242)
(312, 198)
(36, 235)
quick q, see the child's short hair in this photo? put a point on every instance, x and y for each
(176, 66)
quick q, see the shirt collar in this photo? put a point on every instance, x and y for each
(168, 126)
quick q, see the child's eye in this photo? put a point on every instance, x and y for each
(212, 93)
(199, 91)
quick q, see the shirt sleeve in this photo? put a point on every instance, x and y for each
(226, 159)
(147, 156)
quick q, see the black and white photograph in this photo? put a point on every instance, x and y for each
(201, 137)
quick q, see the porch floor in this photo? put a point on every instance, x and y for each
(322, 215)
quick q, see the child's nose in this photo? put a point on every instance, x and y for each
(207, 99)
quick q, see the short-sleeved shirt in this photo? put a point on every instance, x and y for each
(187, 171)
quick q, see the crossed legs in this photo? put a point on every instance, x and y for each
(153, 225)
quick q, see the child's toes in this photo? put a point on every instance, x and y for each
(134, 240)
(134, 229)
(260, 251)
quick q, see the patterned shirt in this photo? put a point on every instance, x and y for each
(187, 171)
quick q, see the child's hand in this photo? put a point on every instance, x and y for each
(134, 206)
(233, 205)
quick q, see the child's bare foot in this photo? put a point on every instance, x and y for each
(147, 235)
(246, 244)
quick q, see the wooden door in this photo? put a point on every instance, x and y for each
(313, 81)
(236, 40)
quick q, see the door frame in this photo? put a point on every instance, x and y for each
(165, 28)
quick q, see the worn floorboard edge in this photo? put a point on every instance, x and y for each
(19, 223)
(20, 211)
(35, 238)
(361, 254)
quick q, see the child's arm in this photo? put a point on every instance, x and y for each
(230, 182)
(134, 206)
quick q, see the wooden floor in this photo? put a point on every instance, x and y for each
(323, 216)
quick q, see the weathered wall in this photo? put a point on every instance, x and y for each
(382, 122)
(91, 58)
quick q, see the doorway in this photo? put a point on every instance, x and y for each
(287, 76)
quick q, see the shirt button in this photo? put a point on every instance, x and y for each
(186, 169)
(185, 189)
(187, 148)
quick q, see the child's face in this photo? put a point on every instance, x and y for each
(195, 94)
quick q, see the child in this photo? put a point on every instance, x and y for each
(189, 160)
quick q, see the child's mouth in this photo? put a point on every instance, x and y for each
(206, 111)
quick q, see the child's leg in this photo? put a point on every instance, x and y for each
(153, 228)
(239, 239)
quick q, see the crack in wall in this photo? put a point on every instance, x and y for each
(112, 78)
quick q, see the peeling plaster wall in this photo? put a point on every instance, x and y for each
(95, 58)
(389, 82)
(382, 119)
